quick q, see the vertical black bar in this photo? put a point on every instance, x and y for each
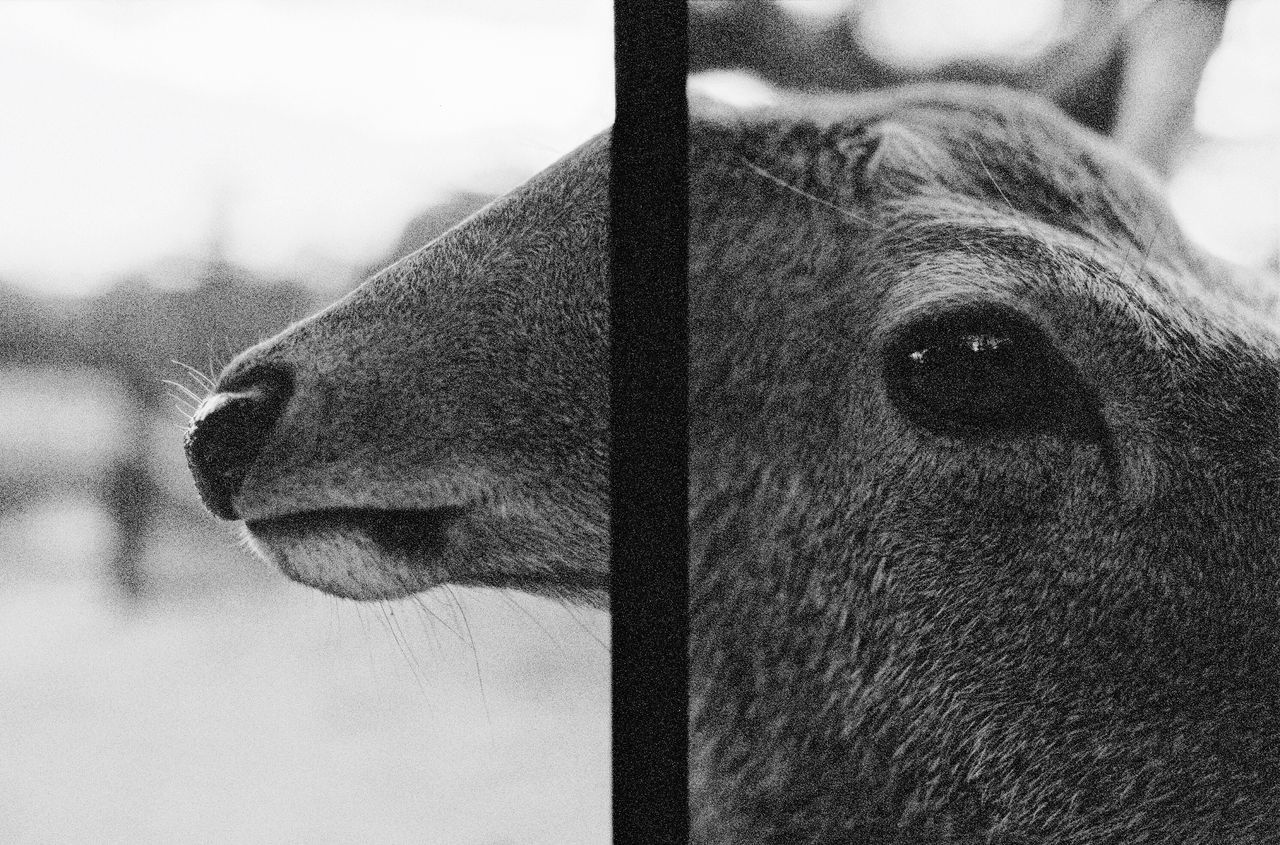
(649, 436)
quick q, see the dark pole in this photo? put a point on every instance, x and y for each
(649, 431)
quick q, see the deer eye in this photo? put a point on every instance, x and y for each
(986, 372)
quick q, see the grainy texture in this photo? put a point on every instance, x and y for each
(445, 423)
(903, 635)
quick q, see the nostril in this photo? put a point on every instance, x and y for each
(227, 432)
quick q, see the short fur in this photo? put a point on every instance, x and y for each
(901, 636)
(470, 375)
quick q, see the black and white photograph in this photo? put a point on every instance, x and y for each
(984, 422)
(303, 409)
(733, 422)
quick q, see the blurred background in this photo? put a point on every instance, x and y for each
(1190, 86)
(179, 180)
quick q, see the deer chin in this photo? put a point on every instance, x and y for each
(362, 553)
(369, 553)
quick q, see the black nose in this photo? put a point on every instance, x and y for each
(228, 431)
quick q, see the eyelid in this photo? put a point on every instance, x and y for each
(1056, 396)
(991, 317)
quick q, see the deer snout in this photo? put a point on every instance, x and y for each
(227, 433)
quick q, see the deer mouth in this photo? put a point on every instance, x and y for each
(412, 534)
(361, 553)
(370, 553)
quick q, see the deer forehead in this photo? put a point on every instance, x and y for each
(852, 223)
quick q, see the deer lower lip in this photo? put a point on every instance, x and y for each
(414, 534)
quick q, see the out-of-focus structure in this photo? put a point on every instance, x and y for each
(139, 337)
(181, 181)
(160, 348)
(1191, 86)
(1122, 68)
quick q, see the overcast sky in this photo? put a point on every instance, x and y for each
(304, 133)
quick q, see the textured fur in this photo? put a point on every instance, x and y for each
(470, 375)
(902, 636)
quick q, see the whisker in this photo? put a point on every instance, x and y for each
(195, 397)
(402, 643)
(416, 599)
(585, 627)
(793, 189)
(421, 603)
(204, 380)
(991, 178)
(475, 654)
(510, 599)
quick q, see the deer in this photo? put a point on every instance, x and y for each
(985, 477)
(446, 423)
(983, 464)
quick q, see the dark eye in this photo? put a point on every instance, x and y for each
(986, 372)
